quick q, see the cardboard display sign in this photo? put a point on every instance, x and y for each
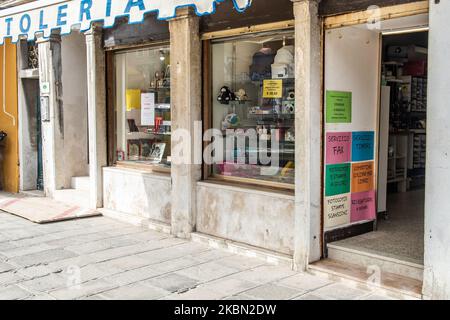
(362, 176)
(363, 145)
(363, 206)
(337, 210)
(338, 147)
(337, 179)
(339, 107)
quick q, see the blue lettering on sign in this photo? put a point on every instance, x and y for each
(134, 3)
(62, 14)
(108, 8)
(71, 12)
(8, 26)
(363, 145)
(42, 25)
(85, 9)
(25, 23)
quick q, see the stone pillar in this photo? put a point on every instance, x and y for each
(437, 205)
(53, 124)
(185, 52)
(96, 84)
(308, 124)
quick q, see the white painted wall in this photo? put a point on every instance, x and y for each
(352, 65)
(437, 204)
(74, 96)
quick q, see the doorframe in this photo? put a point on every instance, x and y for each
(346, 20)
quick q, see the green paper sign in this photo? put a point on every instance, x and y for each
(339, 107)
(337, 179)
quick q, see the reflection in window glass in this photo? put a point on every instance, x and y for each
(143, 106)
(253, 106)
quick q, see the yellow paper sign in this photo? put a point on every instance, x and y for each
(133, 99)
(273, 89)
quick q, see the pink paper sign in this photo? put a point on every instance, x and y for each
(339, 145)
(363, 206)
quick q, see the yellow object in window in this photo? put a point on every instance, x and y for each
(273, 89)
(288, 167)
(133, 99)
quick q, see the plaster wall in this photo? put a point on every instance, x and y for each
(137, 193)
(437, 204)
(258, 218)
(9, 168)
(74, 99)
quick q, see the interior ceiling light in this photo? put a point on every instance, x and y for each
(403, 31)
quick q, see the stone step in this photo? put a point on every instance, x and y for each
(396, 286)
(73, 197)
(80, 183)
(339, 252)
(242, 249)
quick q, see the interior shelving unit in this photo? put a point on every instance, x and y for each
(398, 161)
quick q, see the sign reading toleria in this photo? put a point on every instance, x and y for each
(47, 15)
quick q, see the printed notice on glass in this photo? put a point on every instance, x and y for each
(273, 89)
(148, 109)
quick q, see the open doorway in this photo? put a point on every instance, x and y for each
(30, 126)
(398, 231)
(402, 147)
(374, 149)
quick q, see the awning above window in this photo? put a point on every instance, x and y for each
(47, 15)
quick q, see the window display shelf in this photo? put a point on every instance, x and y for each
(165, 107)
(270, 116)
(159, 88)
(159, 133)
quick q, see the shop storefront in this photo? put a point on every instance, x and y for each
(247, 194)
(249, 122)
(137, 179)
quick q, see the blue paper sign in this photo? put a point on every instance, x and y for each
(363, 145)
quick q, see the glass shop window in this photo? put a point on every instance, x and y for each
(143, 107)
(253, 106)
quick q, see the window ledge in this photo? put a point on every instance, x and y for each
(129, 170)
(247, 188)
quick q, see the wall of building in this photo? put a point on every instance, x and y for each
(137, 194)
(28, 104)
(260, 12)
(74, 99)
(9, 116)
(437, 205)
(332, 7)
(258, 218)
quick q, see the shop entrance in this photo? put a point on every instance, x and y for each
(374, 153)
(402, 147)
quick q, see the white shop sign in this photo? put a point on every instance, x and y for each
(47, 15)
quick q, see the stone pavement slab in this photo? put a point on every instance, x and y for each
(99, 258)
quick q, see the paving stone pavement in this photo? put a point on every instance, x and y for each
(100, 258)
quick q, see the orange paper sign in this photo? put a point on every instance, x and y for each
(362, 177)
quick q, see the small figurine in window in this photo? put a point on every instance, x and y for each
(226, 95)
(241, 95)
